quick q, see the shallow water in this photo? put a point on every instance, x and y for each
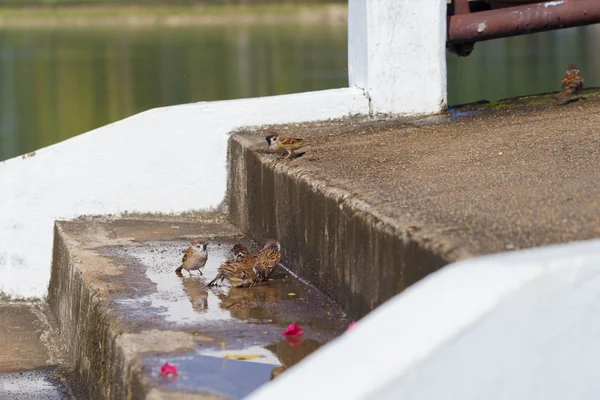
(58, 83)
(238, 321)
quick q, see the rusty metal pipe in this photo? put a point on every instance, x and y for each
(520, 20)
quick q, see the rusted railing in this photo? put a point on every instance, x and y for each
(467, 24)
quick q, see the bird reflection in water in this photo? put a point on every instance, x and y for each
(197, 293)
(245, 304)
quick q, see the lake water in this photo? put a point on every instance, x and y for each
(57, 83)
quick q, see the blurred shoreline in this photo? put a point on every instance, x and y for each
(164, 16)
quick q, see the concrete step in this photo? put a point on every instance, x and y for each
(124, 312)
(31, 364)
(375, 205)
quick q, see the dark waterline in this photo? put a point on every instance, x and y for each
(55, 84)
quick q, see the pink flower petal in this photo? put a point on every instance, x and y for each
(293, 330)
(294, 341)
(168, 369)
(352, 325)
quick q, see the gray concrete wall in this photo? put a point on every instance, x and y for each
(327, 238)
(85, 325)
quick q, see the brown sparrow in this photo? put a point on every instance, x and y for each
(238, 272)
(252, 269)
(285, 143)
(238, 252)
(194, 257)
(572, 84)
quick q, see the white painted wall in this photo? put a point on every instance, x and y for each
(521, 325)
(167, 160)
(397, 54)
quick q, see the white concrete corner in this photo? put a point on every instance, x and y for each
(397, 54)
(166, 160)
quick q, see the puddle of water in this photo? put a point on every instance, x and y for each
(232, 378)
(180, 300)
(454, 114)
(210, 371)
(30, 385)
(242, 320)
(187, 301)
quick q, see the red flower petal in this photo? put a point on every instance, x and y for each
(294, 341)
(352, 325)
(293, 330)
(168, 369)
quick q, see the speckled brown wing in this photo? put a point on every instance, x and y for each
(187, 255)
(266, 263)
(572, 83)
(238, 273)
(286, 140)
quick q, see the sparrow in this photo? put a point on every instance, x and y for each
(285, 143)
(194, 257)
(252, 268)
(238, 252)
(572, 84)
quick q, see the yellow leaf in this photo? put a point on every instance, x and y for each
(291, 294)
(242, 356)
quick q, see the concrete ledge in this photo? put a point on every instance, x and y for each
(346, 248)
(375, 205)
(123, 312)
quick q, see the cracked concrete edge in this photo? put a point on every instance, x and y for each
(104, 356)
(324, 238)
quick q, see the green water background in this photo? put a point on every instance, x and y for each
(57, 83)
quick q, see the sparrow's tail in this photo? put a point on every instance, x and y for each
(178, 270)
(566, 96)
(214, 281)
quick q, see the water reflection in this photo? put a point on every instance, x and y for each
(196, 291)
(240, 321)
(57, 83)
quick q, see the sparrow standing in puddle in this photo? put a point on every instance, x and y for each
(572, 85)
(252, 268)
(194, 257)
(285, 143)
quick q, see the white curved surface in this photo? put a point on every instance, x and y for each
(165, 160)
(520, 325)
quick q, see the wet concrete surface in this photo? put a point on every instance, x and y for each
(240, 320)
(158, 316)
(30, 366)
(43, 384)
(374, 205)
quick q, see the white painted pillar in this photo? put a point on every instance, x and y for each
(396, 53)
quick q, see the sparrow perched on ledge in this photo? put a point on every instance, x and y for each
(572, 84)
(285, 143)
(194, 257)
(251, 269)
